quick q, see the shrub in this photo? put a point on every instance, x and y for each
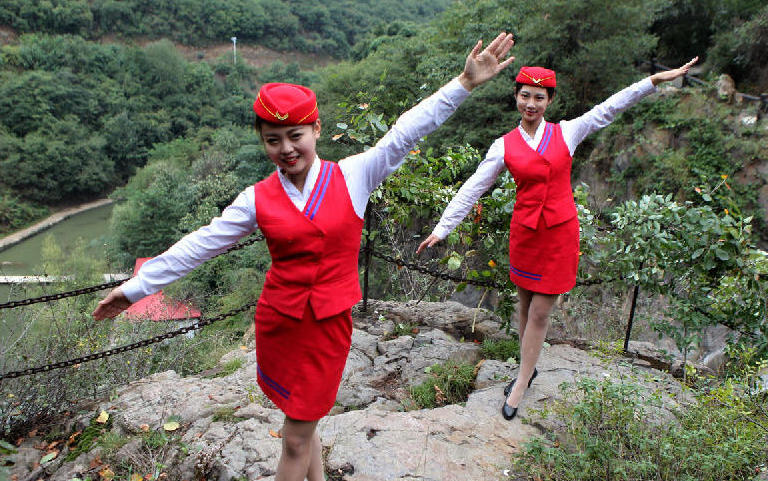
(607, 436)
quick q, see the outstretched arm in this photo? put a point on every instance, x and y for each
(483, 178)
(668, 75)
(236, 221)
(575, 130)
(367, 170)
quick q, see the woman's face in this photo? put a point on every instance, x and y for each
(532, 102)
(291, 147)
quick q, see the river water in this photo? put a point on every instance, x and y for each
(25, 257)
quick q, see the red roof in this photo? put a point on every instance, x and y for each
(156, 307)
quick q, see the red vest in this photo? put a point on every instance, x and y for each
(314, 251)
(543, 178)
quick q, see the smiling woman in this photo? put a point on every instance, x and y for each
(544, 228)
(311, 214)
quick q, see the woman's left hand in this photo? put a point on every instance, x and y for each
(668, 75)
(483, 66)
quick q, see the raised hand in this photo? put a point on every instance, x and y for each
(483, 66)
(112, 305)
(668, 75)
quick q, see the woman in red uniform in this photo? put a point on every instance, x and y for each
(310, 212)
(544, 229)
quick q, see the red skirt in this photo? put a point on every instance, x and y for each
(544, 260)
(300, 362)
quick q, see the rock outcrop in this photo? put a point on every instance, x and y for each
(228, 429)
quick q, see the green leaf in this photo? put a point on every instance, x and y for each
(7, 448)
(48, 457)
(454, 262)
(722, 255)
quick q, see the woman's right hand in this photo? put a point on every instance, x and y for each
(483, 66)
(428, 242)
(112, 305)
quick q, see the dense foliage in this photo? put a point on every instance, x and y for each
(330, 26)
(77, 118)
(687, 28)
(613, 430)
(742, 52)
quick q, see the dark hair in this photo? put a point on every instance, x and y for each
(550, 90)
(258, 123)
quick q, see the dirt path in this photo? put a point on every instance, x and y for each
(16, 237)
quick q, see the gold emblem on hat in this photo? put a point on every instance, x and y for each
(275, 114)
(537, 81)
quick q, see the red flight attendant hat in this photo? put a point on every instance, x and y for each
(537, 76)
(286, 104)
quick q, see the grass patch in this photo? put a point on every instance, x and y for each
(89, 437)
(225, 415)
(229, 367)
(155, 439)
(401, 329)
(448, 383)
(111, 442)
(501, 349)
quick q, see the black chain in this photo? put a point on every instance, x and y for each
(108, 285)
(439, 275)
(61, 295)
(201, 322)
(448, 277)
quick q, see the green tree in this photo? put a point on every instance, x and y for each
(742, 52)
(62, 162)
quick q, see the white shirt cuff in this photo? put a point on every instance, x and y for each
(132, 290)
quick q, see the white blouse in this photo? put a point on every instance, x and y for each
(574, 132)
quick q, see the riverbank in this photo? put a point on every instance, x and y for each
(48, 222)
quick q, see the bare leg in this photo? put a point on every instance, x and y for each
(522, 310)
(531, 342)
(316, 471)
(297, 450)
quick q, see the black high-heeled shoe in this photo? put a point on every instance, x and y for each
(508, 389)
(508, 411)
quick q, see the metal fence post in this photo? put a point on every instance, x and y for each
(632, 308)
(635, 291)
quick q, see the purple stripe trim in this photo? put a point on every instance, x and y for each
(315, 193)
(273, 384)
(322, 193)
(527, 275)
(545, 140)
